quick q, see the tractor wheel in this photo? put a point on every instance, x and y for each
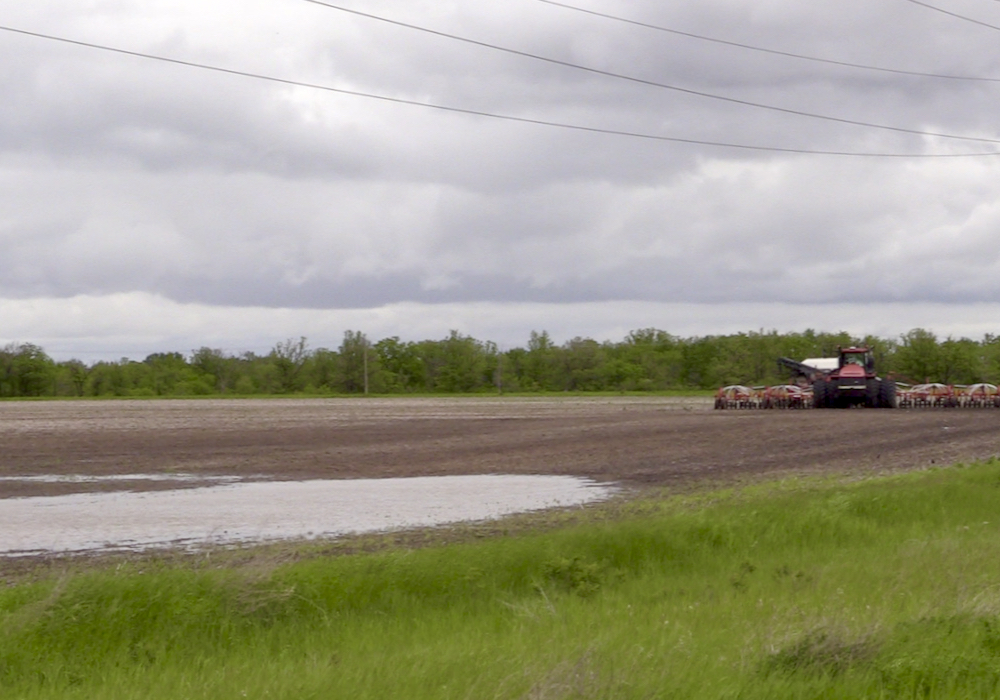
(820, 398)
(873, 389)
(887, 394)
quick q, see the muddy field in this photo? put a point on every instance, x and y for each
(632, 441)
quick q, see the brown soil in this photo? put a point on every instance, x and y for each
(633, 441)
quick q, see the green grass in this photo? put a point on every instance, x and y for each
(881, 588)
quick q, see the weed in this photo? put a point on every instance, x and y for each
(574, 575)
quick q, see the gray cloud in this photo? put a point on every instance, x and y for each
(121, 175)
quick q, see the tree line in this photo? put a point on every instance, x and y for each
(645, 360)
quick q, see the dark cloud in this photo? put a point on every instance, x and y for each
(121, 175)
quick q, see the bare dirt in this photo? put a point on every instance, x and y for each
(633, 441)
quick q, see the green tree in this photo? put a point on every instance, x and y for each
(620, 374)
(321, 370)
(541, 368)
(71, 378)
(698, 358)
(658, 354)
(166, 371)
(990, 349)
(514, 361)
(583, 360)
(962, 361)
(288, 358)
(108, 379)
(462, 364)
(919, 356)
(8, 382)
(402, 365)
(25, 370)
(256, 375)
(217, 369)
(358, 364)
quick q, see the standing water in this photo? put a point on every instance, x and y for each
(273, 510)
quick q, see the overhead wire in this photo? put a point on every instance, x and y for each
(653, 83)
(481, 113)
(774, 52)
(954, 14)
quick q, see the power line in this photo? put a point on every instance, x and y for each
(651, 83)
(775, 52)
(481, 113)
(954, 14)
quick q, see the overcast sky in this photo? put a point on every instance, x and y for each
(150, 206)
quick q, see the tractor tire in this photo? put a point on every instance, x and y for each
(873, 390)
(887, 394)
(821, 397)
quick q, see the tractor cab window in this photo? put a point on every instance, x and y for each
(861, 359)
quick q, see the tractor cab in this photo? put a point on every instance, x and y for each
(856, 357)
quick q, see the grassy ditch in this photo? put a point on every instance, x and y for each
(883, 588)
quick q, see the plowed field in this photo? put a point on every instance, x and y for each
(633, 441)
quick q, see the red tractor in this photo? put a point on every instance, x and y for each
(853, 383)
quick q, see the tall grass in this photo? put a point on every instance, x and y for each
(882, 588)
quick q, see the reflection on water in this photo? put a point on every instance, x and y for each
(273, 510)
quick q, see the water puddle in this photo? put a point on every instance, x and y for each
(265, 511)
